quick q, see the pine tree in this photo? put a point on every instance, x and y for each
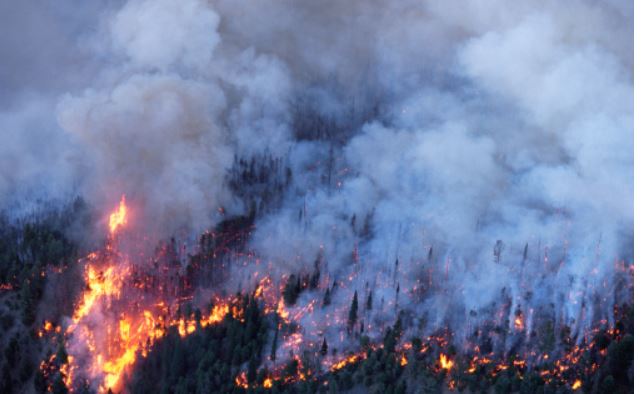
(398, 289)
(498, 249)
(353, 311)
(252, 369)
(59, 386)
(315, 279)
(292, 288)
(327, 299)
(61, 355)
(395, 269)
(369, 301)
(274, 346)
(367, 226)
(291, 368)
(398, 328)
(323, 350)
(28, 304)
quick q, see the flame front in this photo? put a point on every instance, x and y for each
(123, 310)
(117, 318)
(93, 324)
(119, 217)
(445, 362)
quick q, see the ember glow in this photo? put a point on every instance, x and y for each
(445, 362)
(118, 218)
(119, 316)
(400, 196)
(576, 385)
(114, 321)
(105, 348)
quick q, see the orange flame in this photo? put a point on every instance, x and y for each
(115, 344)
(519, 325)
(241, 380)
(119, 217)
(446, 363)
(576, 385)
(344, 362)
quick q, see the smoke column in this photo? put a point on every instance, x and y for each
(440, 156)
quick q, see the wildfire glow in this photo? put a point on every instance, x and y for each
(119, 217)
(518, 323)
(445, 363)
(576, 385)
(121, 312)
(99, 283)
(113, 323)
(344, 362)
(241, 380)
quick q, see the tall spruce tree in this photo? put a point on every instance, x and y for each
(327, 299)
(323, 350)
(353, 311)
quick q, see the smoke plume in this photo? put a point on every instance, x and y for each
(460, 153)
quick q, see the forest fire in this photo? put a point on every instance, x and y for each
(118, 218)
(116, 321)
(346, 361)
(108, 343)
(445, 362)
(518, 323)
(325, 198)
(127, 308)
(113, 322)
(119, 317)
(241, 381)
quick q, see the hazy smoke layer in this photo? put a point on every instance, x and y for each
(484, 142)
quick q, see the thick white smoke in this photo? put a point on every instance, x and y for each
(159, 125)
(496, 135)
(165, 34)
(514, 126)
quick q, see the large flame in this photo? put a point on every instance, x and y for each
(445, 362)
(118, 218)
(118, 316)
(116, 319)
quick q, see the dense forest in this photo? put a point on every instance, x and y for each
(40, 282)
(336, 196)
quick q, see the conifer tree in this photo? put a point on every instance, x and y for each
(274, 346)
(327, 299)
(323, 350)
(353, 311)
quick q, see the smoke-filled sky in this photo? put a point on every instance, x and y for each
(447, 125)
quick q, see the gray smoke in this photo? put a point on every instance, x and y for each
(470, 129)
